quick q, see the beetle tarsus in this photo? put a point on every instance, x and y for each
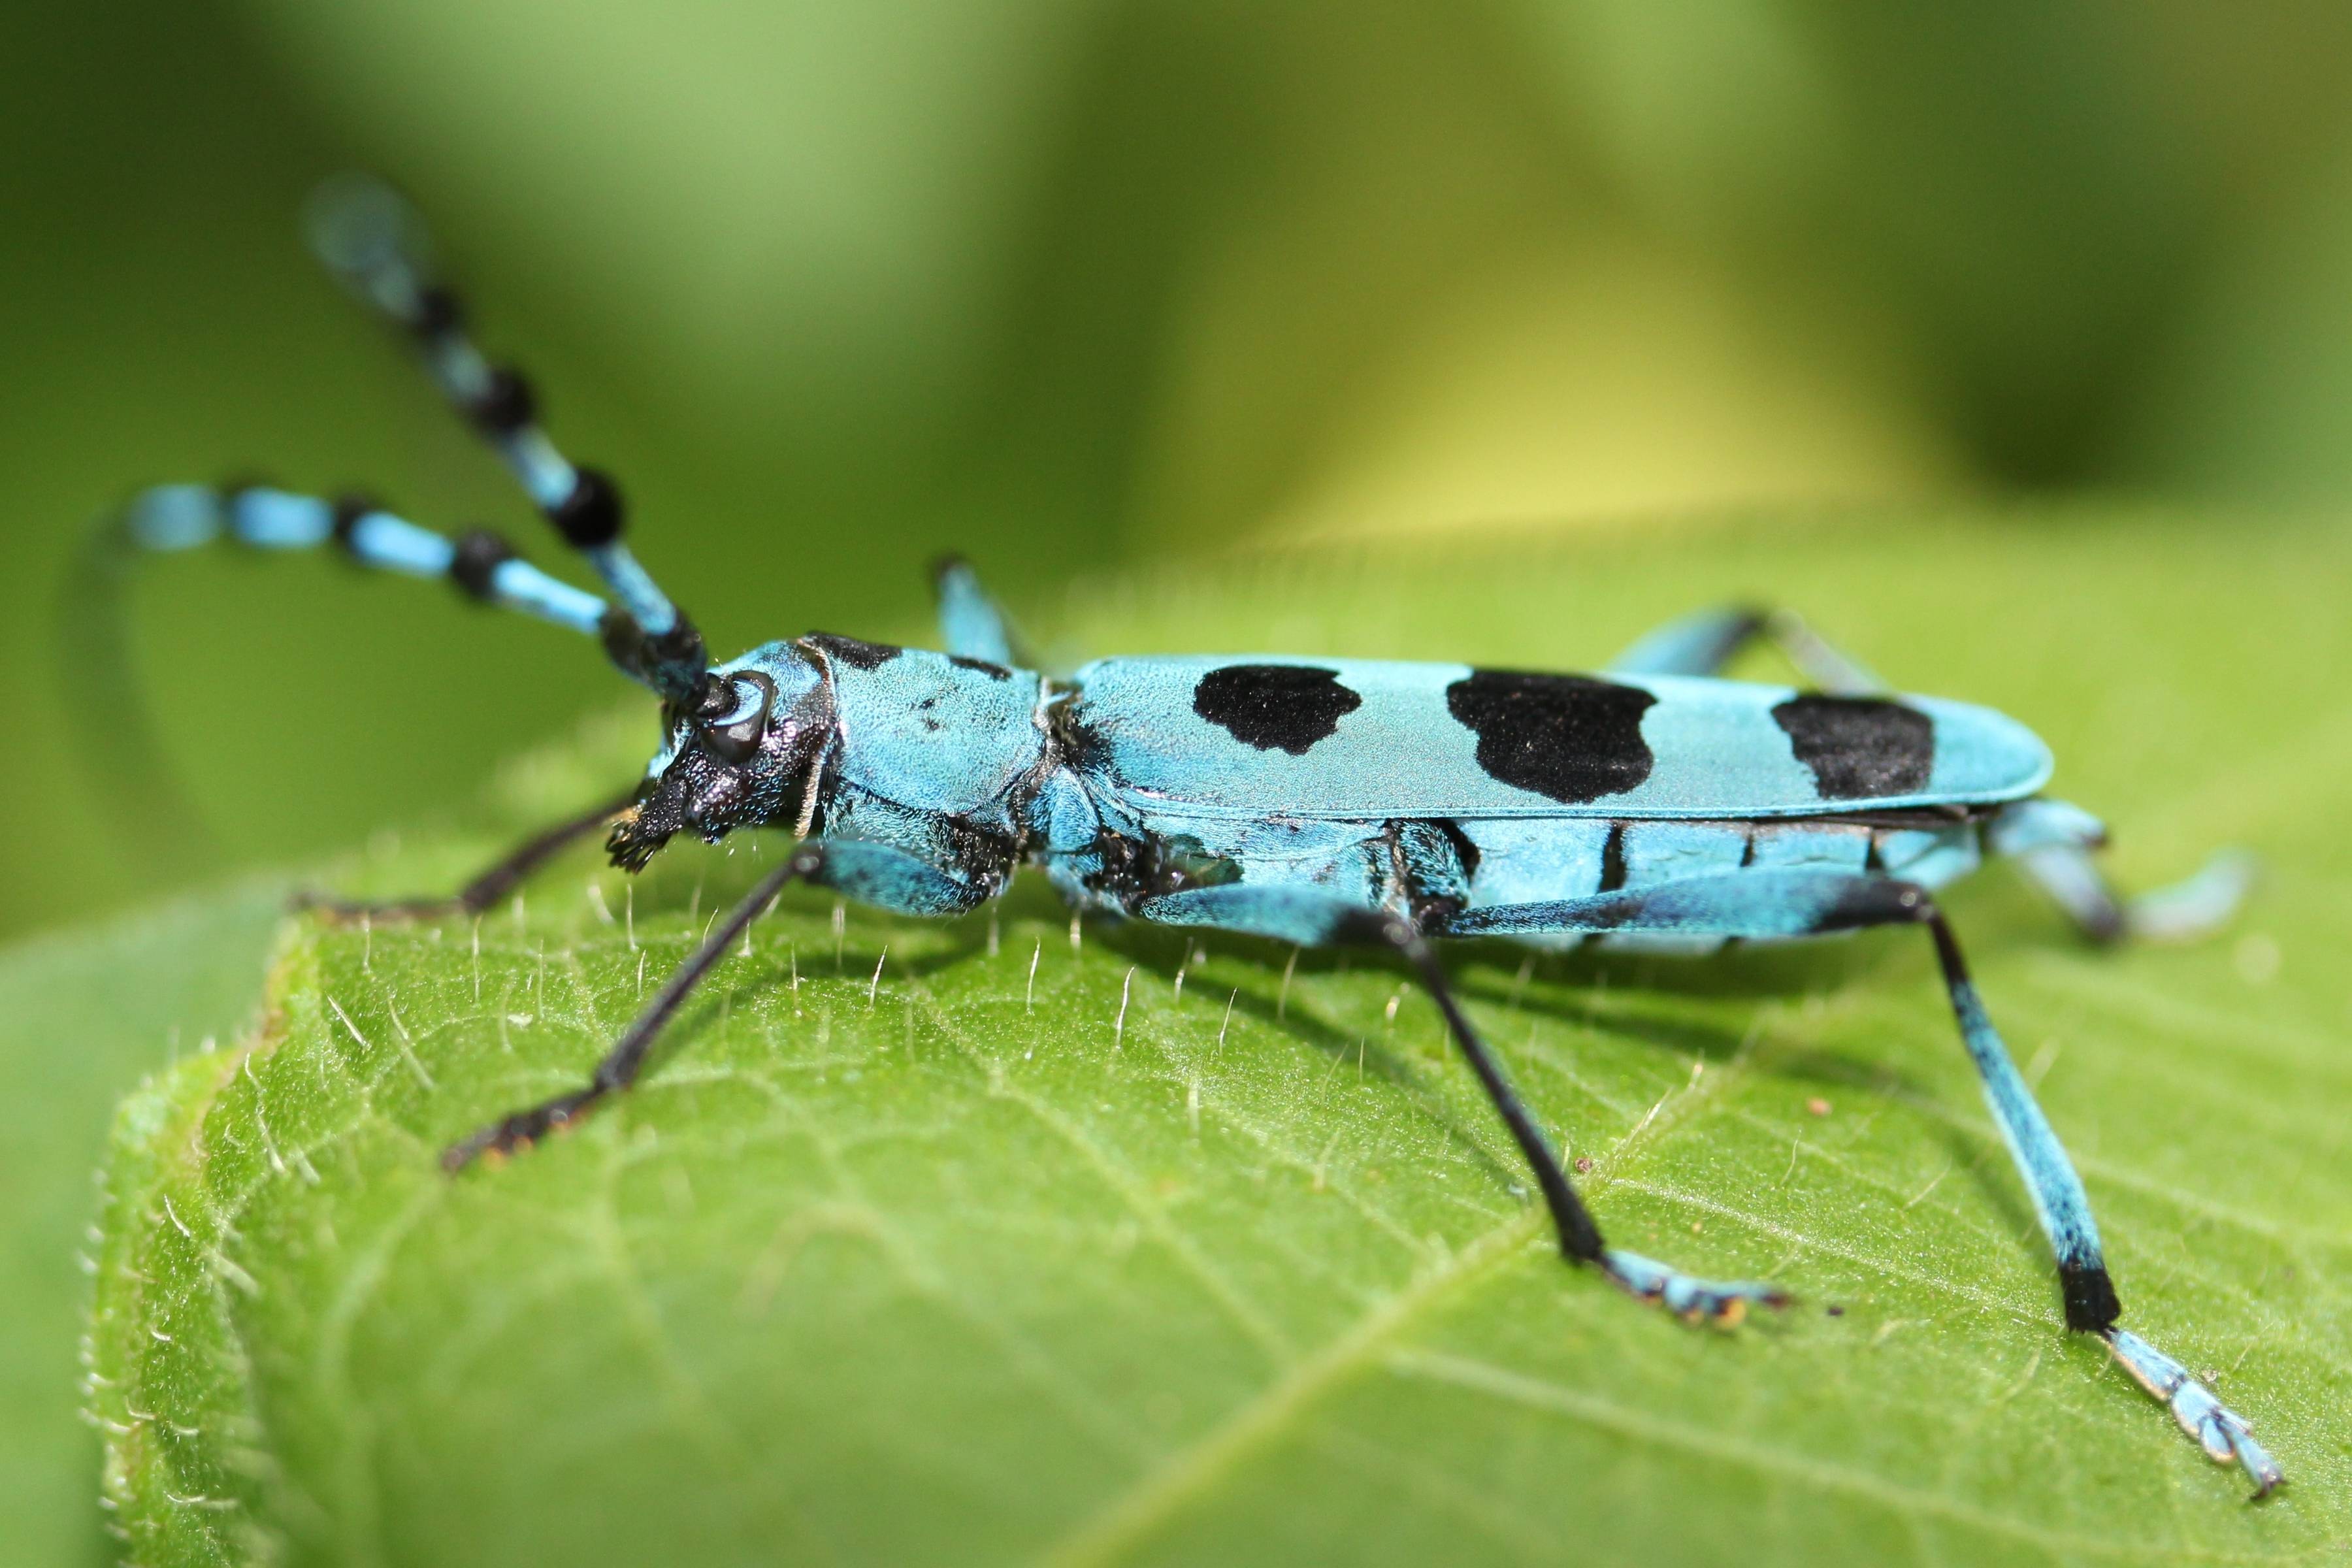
(1693, 1301)
(2226, 1437)
(513, 1134)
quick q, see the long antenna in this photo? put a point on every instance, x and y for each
(374, 243)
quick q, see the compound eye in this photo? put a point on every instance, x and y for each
(733, 735)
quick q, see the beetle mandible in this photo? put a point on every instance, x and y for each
(1312, 801)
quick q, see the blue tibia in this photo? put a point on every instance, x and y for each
(1700, 643)
(2057, 1191)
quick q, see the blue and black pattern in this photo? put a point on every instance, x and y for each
(1305, 800)
(1568, 737)
(1287, 707)
(1360, 738)
(1860, 748)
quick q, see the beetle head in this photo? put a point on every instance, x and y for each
(744, 753)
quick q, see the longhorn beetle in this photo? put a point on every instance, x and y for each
(1312, 801)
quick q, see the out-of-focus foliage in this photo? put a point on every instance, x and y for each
(82, 1015)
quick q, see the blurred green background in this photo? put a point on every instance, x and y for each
(1069, 282)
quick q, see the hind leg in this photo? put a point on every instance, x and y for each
(1702, 643)
(1754, 904)
(2054, 843)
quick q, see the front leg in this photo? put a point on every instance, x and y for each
(495, 883)
(876, 874)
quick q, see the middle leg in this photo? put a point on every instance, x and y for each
(1315, 919)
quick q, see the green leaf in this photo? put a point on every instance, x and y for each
(981, 1241)
(83, 1015)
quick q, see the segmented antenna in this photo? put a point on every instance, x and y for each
(374, 242)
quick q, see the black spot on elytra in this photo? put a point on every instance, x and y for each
(850, 651)
(1860, 747)
(993, 671)
(1567, 737)
(1274, 707)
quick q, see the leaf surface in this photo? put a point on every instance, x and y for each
(83, 1015)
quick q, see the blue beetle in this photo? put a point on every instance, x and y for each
(1312, 801)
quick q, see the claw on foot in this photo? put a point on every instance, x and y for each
(1693, 1301)
(521, 1130)
(2220, 1431)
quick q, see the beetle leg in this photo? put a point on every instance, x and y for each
(1774, 903)
(2053, 842)
(1313, 919)
(1702, 643)
(2198, 905)
(2065, 1212)
(972, 623)
(486, 890)
(513, 1133)
(876, 874)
